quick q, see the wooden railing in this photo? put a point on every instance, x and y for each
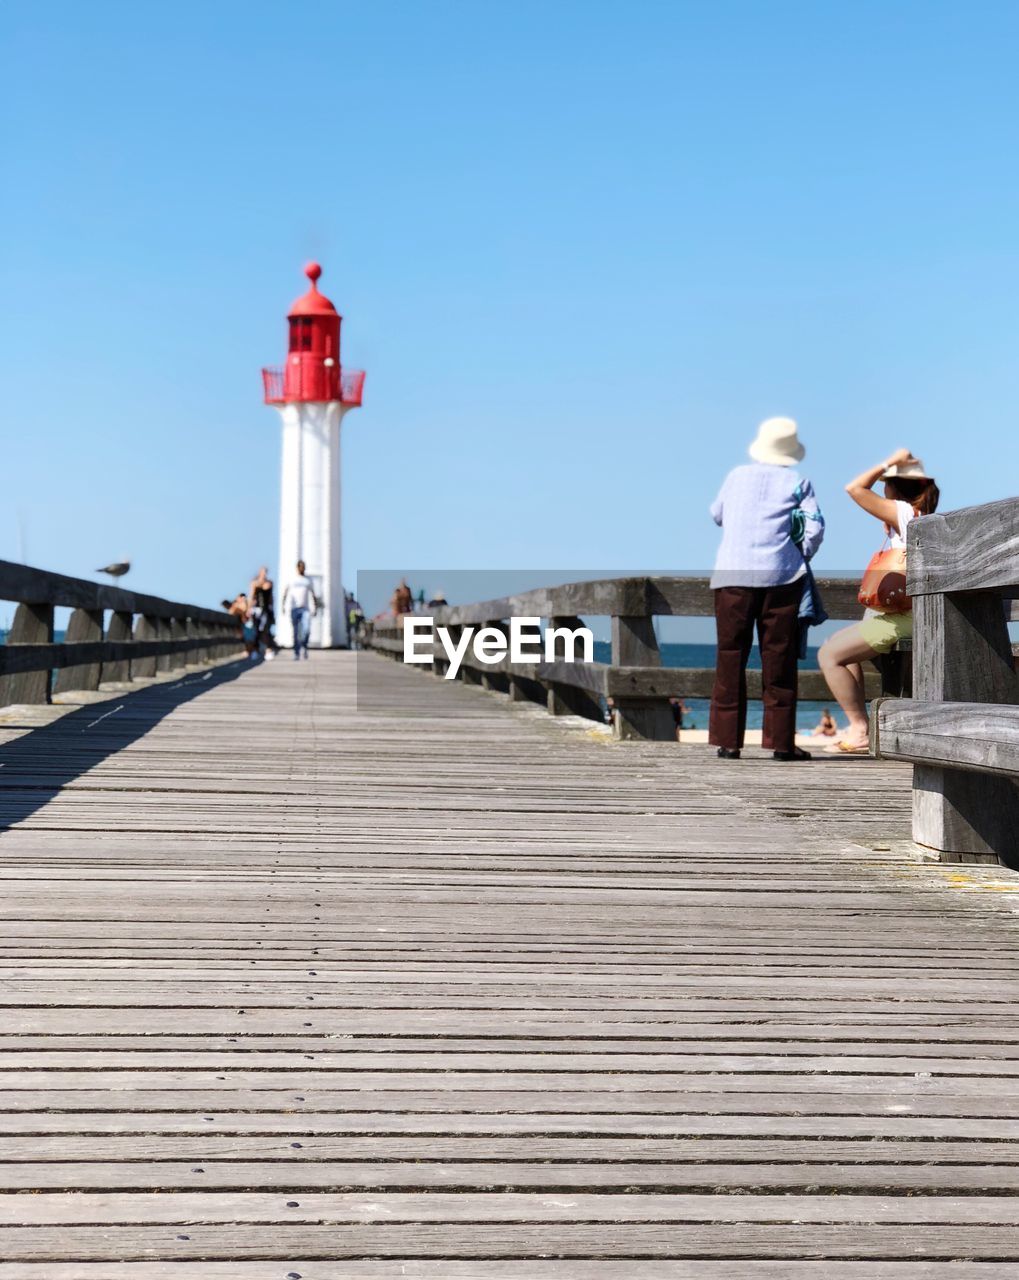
(635, 680)
(145, 635)
(961, 729)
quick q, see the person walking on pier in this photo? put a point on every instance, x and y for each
(771, 527)
(300, 597)
(261, 601)
(909, 492)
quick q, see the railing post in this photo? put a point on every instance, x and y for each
(454, 637)
(33, 624)
(83, 626)
(119, 670)
(496, 681)
(194, 631)
(522, 688)
(634, 644)
(963, 654)
(146, 628)
(568, 699)
(178, 631)
(164, 631)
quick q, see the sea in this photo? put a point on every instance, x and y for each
(675, 654)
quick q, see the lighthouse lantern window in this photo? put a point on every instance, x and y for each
(300, 333)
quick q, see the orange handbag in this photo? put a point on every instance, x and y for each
(884, 582)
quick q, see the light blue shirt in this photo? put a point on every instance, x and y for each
(767, 513)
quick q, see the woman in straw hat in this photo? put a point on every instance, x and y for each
(771, 526)
(908, 492)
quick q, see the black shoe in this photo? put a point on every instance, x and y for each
(797, 753)
(727, 753)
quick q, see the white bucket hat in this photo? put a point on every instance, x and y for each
(777, 442)
(911, 470)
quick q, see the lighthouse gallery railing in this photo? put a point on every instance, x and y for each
(351, 386)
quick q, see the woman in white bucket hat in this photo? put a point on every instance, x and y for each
(909, 492)
(777, 443)
(771, 526)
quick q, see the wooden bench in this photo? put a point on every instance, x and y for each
(961, 729)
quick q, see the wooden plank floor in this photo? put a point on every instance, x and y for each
(300, 984)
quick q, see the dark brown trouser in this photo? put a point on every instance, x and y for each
(775, 610)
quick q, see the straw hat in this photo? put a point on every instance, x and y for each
(776, 442)
(911, 470)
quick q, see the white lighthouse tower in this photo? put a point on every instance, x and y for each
(312, 393)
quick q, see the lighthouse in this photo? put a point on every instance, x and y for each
(312, 393)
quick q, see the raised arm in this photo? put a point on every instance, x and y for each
(861, 489)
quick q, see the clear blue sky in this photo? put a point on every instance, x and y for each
(581, 249)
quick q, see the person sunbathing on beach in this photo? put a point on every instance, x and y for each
(909, 492)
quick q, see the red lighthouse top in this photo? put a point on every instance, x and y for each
(312, 303)
(313, 371)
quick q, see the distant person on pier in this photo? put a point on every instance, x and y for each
(299, 596)
(238, 608)
(438, 601)
(909, 492)
(402, 601)
(355, 622)
(771, 528)
(260, 597)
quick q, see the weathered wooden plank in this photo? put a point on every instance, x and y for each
(536, 1173)
(534, 1268)
(654, 1060)
(972, 549)
(958, 735)
(627, 596)
(481, 1208)
(859, 1127)
(302, 1098)
(697, 682)
(311, 1081)
(208, 1241)
(18, 657)
(88, 1157)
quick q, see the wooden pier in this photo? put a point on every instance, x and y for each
(337, 969)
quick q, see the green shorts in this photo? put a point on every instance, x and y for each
(883, 631)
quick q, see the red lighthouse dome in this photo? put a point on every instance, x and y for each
(313, 371)
(312, 303)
